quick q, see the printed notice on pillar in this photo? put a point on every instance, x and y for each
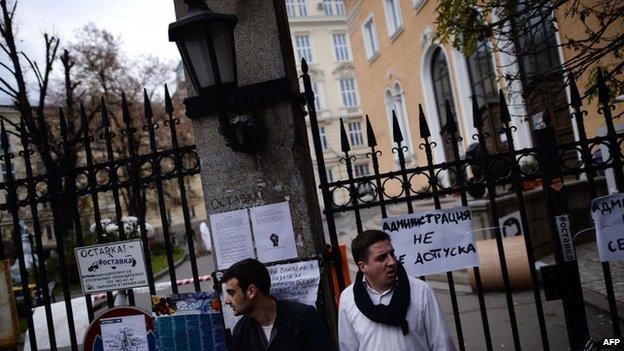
(113, 266)
(435, 241)
(298, 281)
(232, 237)
(273, 232)
(608, 215)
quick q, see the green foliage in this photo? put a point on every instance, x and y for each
(458, 22)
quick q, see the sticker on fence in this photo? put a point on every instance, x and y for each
(608, 215)
(511, 224)
(113, 266)
(565, 237)
(434, 241)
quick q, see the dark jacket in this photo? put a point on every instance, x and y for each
(296, 327)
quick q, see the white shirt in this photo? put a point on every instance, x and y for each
(427, 326)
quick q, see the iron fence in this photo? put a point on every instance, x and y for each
(151, 156)
(484, 170)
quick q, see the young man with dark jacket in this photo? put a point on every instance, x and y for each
(267, 323)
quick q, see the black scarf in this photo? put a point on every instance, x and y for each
(394, 313)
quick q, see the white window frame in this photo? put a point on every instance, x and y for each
(333, 7)
(324, 138)
(291, 8)
(371, 41)
(348, 95)
(317, 88)
(341, 49)
(301, 49)
(302, 7)
(395, 99)
(330, 175)
(394, 19)
(356, 136)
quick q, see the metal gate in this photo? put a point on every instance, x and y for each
(486, 175)
(152, 157)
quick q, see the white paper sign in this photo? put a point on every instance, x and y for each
(113, 266)
(273, 232)
(511, 224)
(435, 241)
(232, 237)
(126, 333)
(565, 237)
(608, 215)
(297, 281)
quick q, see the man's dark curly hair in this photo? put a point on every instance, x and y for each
(249, 271)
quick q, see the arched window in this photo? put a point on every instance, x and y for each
(483, 84)
(442, 91)
(396, 101)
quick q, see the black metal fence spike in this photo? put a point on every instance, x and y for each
(304, 65)
(504, 111)
(4, 138)
(451, 126)
(168, 103)
(396, 129)
(104, 111)
(477, 118)
(422, 121)
(370, 134)
(147, 106)
(546, 117)
(344, 140)
(125, 111)
(603, 91)
(577, 102)
(63, 124)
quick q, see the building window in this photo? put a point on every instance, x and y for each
(355, 134)
(481, 72)
(341, 52)
(347, 90)
(361, 170)
(303, 8)
(330, 175)
(302, 43)
(290, 8)
(324, 140)
(441, 85)
(393, 16)
(318, 95)
(333, 7)
(371, 43)
(395, 102)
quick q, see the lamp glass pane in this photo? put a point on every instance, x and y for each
(199, 57)
(222, 36)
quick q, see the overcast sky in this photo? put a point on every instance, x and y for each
(141, 24)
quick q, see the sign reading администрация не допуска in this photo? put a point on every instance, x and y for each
(433, 241)
(113, 266)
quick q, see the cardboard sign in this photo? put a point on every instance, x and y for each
(608, 215)
(113, 266)
(565, 237)
(9, 332)
(434, 241)
(186, 322)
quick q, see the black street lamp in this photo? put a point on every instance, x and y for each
(206, 42)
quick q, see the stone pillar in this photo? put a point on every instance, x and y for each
(282, 170)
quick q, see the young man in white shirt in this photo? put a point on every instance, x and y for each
(384, 309)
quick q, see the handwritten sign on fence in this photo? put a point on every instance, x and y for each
(113, 266)
(608, 215)
(433, 241)
(298, 281)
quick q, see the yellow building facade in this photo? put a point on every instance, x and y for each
(399, 65)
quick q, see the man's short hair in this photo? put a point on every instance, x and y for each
(249, 271)
(361, 243)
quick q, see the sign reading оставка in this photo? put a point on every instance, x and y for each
(433, 241)
(113, 266)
